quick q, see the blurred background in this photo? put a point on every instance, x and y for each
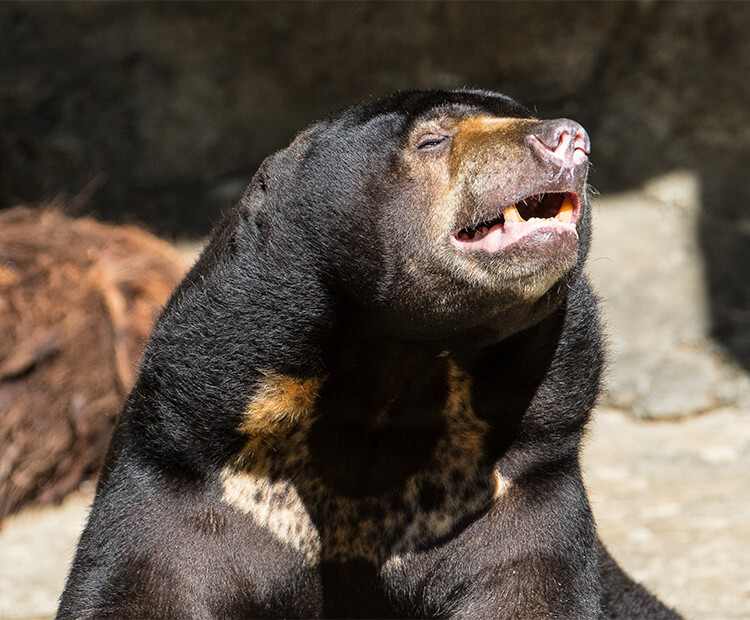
(159, 114)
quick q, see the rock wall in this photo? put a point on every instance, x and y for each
(169, 107)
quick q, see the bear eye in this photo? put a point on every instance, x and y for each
(431, 141)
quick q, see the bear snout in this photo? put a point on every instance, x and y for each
(560, 143)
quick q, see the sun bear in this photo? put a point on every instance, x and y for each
(367, 398)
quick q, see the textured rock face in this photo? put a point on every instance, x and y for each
(173, 102)
(161, 112)
(171, 107)
(646, 264)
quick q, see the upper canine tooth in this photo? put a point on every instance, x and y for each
(511, 214)
(565, 214)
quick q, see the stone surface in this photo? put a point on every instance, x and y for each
(167, 109)
(672, 506)
(648, 268)
(170, 104)
(36, 547)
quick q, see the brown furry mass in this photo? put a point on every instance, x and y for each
(77, 302)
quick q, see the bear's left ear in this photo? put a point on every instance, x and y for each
(268, 181)
(255, 193)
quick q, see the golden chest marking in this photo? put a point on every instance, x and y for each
(273, 482)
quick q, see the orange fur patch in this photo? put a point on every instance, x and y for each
(278, 406)
(487, 135)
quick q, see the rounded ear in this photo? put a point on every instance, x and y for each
(252, 199)
(267, 181)
(240, 228)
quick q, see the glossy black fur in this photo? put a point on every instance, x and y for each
(303, 278)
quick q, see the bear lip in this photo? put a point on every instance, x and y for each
(551, 214)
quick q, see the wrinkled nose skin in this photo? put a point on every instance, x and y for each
(560, 143)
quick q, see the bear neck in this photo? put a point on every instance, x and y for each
(207, 362)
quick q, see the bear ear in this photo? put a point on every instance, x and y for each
(260, 179)
(254, 196)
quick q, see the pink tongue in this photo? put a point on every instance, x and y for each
(510, 216)
(501, 237)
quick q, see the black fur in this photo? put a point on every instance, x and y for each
(325, 272)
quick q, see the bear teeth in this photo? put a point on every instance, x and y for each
(536, 208)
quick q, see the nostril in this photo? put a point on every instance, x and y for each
(582, 141)
(564, 143)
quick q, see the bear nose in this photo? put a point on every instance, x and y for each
(561, 143)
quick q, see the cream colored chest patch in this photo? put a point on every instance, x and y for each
(273, 482)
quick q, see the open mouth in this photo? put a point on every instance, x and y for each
(555, 211)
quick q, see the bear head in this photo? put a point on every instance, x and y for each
(434, 214)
